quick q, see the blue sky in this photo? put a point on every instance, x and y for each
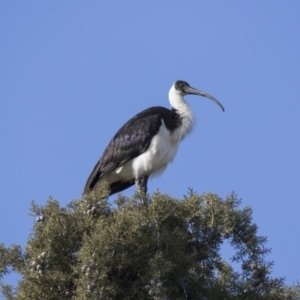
(72, 72)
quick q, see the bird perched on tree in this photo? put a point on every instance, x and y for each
(147, 143)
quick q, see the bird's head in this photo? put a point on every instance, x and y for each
(182, 88)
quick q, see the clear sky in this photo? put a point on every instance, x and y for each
(72, 72)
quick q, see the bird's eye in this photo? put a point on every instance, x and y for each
(182, 85)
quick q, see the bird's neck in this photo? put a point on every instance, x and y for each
(184, 111)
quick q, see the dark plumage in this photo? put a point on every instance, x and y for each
(132, 139)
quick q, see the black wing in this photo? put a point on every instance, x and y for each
(132, 139)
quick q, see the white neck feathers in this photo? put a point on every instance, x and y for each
(183, 109)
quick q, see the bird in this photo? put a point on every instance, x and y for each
(147, 143)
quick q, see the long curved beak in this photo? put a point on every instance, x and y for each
(193, 91)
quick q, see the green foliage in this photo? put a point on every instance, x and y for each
(154, 247)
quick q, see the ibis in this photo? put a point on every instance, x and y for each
(147, 143)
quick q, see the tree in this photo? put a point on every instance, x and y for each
(154, 247)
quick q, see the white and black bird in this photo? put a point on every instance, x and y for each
(147, 143)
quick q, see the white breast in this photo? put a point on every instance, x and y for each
(153, 161)
(161, 151)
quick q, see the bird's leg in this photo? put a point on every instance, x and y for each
(141, 184)
(144, 185)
